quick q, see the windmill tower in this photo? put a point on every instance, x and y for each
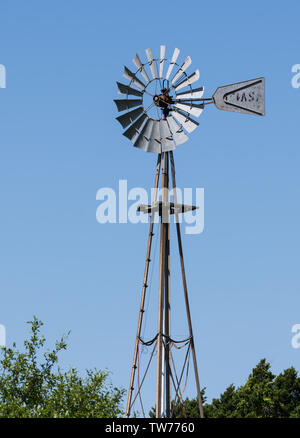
(158, 111)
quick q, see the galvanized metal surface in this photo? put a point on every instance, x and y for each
(177, 132)
(151, 62)
(126, 104)
(172, 63)
(190, 109)
(162, 60)
(124, 89)
(246, 97)
(243, 97)
(169, 207)
(142, 141)
(161, 294)
(155, 143)
(186, 122)
(128, 118)
(174, 109)
(138, 63)
(197, 93)
(134, 130)
(188, 81)
(167, 142)
(181, 69)
(132, 78)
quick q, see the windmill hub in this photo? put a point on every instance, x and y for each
(162, 100)
(159, 117)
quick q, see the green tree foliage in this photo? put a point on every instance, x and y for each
(263, 396)
(33, 385)
(189, 408)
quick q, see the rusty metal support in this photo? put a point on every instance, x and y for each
(186, 290)
(140, 320)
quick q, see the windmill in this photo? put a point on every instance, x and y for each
(159, 107)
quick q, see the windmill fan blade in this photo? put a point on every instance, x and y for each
(188, 81)
(172, 63)
(151, 62)
(182, 69)
(197, 93)
(125, 104)
(140, 67)
(124, 89)
(143, 139)
(134, 130)
(193, 109)
(177, 132)
(162, 60)
(127, 118)
(167, 143)
(131, 77)
(163, 121)
(186, 122)
(155, 143)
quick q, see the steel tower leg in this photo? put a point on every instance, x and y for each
(163, 383)
(137, 341)
(163, 361)
(167, 310)
(186, 291)
(159, 371)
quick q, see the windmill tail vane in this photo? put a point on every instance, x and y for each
(158, 108)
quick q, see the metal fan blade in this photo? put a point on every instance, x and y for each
(173, 60)
(155, 143)
(188, 81)
(197, 93)
(162, 60)
(193, 109)
(167, 143)
(125, 104)
(151, 62)
(131, 77)
(137, 62)
(144, 138)
(182, 69)
(134, 130)
(124, 89)
(127, 118)
(186, 122)
(177, 132)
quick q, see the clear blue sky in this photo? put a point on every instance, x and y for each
(60, 143)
